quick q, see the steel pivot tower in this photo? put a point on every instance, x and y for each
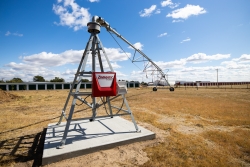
(93, 48)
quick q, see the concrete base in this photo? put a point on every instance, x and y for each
(85, 137)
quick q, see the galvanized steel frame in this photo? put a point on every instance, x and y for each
(94, 46)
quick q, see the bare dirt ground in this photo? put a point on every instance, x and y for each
(193, 128)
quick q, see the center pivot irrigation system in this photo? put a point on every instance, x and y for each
(105, 87)
(149, 65)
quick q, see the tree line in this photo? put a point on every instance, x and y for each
(37, 78)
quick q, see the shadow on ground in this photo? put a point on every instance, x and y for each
(24, 149)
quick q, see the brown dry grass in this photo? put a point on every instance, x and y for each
(205, 127)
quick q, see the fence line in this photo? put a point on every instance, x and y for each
(51, 85)
(222, 85)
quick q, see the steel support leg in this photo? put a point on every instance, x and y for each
(131, 115)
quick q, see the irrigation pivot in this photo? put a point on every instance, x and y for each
(149, 65)
(104, 85)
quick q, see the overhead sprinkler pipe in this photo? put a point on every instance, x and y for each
(105, 24)
(94, 26)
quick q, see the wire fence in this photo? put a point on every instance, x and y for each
(214, 85)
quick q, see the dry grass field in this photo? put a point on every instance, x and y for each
(204, 127)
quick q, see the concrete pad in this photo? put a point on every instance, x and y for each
(85, 137)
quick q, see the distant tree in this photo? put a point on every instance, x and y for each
(15, 80)
(38, 78)
(57, 79)
(1, 81)
(85, 80)
(144, 84)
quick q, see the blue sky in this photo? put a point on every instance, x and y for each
(188, 39)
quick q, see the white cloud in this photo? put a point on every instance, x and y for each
(166, 3)
(115, 54)
(235, 65)
(238, 63)
(186, 40)
(41, 64)
(204, 69)
(147, 12)
(22, 66)
(120, 75)
(234, 70)
(163, 34)
(202, 57)
(15, 34)
(195, 59)
(52, 59)
(46, 59)
(26, 71)
(243, 58)
(69, 72)
(158, 11)
(93, 0)
(137, 45)
(171, 64)
(169, 3)
(186, 12)
(71, 14)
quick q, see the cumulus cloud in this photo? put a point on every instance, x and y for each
(198, 69)
(48, 59)
(202, 57)
(243, 58)
(186, 12)
(69, 72)
(171, 64)
(238, 63)
(120, 75)
(116, 54)
(195, 59)
(235, 65)
(8, 33)
(235, 70)
(185, 40)
(137, 45)
(147, 12)
(27, 71)
(71, 14)
(53, 59)
(180, 69)
(169, 3)
(42, 63)
(25, 67)
(163, 34)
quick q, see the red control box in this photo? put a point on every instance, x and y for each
(103, 84)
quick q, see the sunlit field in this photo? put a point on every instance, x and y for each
(194, 127)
